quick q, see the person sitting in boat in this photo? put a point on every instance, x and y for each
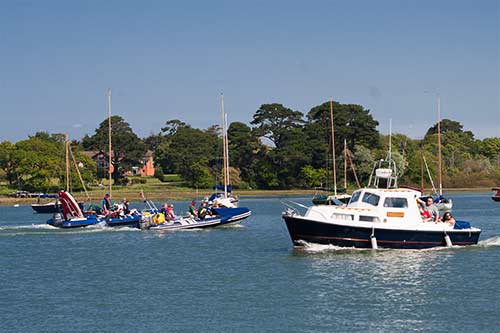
(106, 204)
(163, 209)
(170, 212)
(203, 211)
(125, 206)
(426, 216)
(447, 218)
(432, 209)
(192, 209)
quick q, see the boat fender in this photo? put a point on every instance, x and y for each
(447, 240)
(159, 218)
(373, 240)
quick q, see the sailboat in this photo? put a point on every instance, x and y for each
(55, 206)
(334, 198)
(442, 203)
(224, 204)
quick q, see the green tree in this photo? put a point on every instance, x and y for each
(244, 146)
(188, 147)
(128, 148)
(39, 163)
(273, 121)
(7, 152)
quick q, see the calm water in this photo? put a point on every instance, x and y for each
(244, 278)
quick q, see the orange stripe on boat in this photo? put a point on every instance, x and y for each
(395, 214)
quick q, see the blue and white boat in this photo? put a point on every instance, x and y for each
(148, 222)
(71, 216)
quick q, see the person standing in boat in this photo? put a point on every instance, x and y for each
(106, 204)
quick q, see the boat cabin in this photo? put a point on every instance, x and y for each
(374, 205)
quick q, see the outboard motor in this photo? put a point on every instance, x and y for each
(56, 220)
(146, 221)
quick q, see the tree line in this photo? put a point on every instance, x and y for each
(280, 148)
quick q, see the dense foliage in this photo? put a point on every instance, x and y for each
(281, 148)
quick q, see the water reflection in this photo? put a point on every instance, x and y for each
(388, 281)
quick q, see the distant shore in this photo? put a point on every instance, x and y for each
(185, 195)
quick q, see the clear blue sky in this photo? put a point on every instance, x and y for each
(171, 59)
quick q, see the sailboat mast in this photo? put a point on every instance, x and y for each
(224, 157)
(345, 164)
(227, 152)
(66, 145)
(333, 149)
(439, 145)
(109, 142)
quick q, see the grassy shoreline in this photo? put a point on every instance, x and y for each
(173, 194)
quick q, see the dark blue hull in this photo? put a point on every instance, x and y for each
(232, 215)
(50, 208)
(346, 236)
(74, 223)
(125, 221)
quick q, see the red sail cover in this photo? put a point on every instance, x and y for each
(71, 209)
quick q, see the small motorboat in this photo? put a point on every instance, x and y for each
(71, 216)
(150, 222)
(330, 198)
(51, 207)
(496, 195)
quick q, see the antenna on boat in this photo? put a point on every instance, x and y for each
(333, 148)
(109, 142)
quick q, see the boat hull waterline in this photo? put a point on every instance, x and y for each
(310, 231)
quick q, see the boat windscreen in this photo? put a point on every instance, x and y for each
(370, 198)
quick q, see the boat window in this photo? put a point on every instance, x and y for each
(355, 196)
(371, 198)
(345, 217)
(364, 218)
(396, 202)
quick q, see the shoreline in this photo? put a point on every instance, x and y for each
(185, 195)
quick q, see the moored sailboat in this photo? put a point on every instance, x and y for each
(223, 203)
(321, 198)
